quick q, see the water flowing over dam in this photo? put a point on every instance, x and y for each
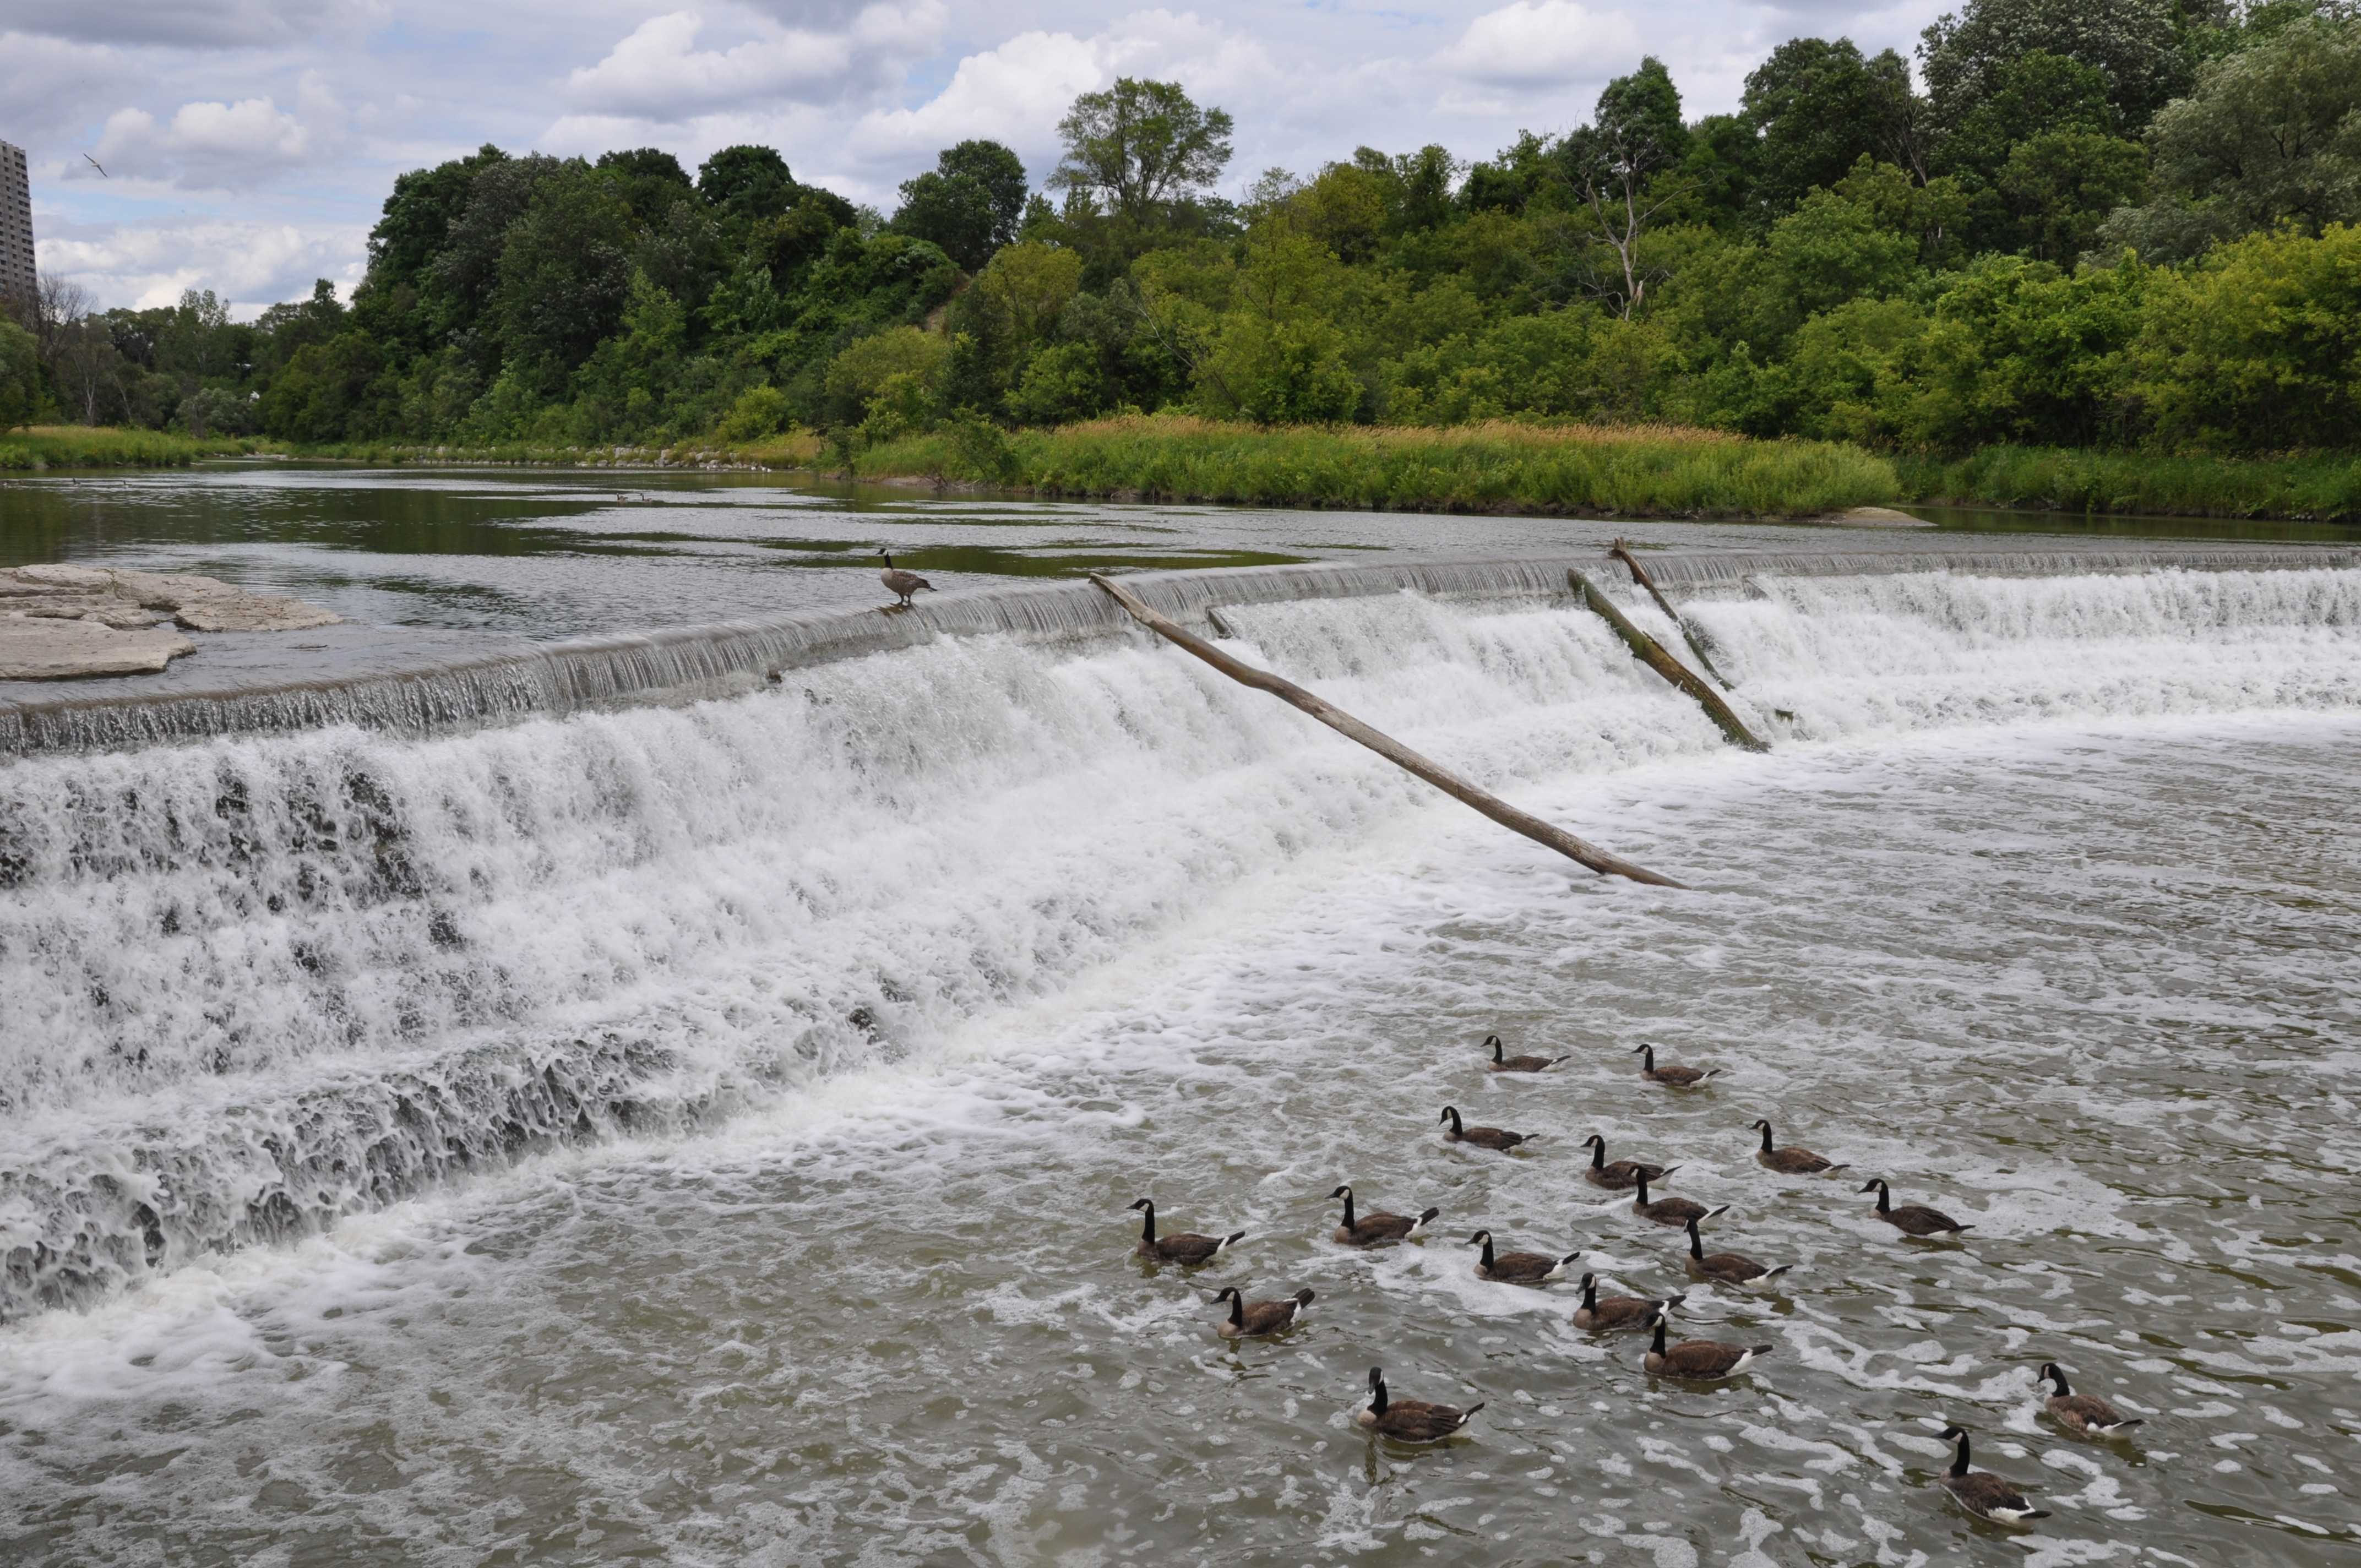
(335, 976)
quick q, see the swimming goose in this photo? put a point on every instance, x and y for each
(1670, 1210)
(1983, 1494)
(1912, 1219)
(1184, 1248)
(1482, 1137)
(1619, 1177)
(1670, 1076)
(898, 581)
(1377, 1228)
(1699, 1360)
(1410, 1421)
(1251, 1319)
(1606, 1316)
(1518, 1064)
(1728, 1268)
(2083, 1413)
(1791, 1161)
(1517, 1267)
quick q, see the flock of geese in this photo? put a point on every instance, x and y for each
(1979, 1492)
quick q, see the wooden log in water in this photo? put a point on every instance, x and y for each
(1651, 653)
(1384, 746)
(1622, 552)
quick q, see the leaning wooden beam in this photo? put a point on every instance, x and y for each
(1651, 653)
(1384, 746)
(1622, 552)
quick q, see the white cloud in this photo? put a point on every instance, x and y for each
(658, 73)
(212, 144)
(1545, 43)
(1016, 93)
(253, 263)
(204, 24)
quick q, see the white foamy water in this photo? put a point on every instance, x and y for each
(703, 1133)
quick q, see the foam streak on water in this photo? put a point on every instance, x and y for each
(798, 1050)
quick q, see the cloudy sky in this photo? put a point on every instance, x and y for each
(247, 144)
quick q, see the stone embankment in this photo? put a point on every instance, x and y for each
(62, 622)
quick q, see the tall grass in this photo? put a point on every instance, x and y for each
(795, 449)
(1644, 470)
(2325, 487)
(83, 446)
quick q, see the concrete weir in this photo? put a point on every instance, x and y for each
(405, 680)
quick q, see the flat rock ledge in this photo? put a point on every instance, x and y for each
(57, 622)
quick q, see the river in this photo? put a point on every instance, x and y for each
(701, 1130)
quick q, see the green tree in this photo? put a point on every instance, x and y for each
(1817, 108)
(2035, 94)
(1965, 55)
(565, 272)
(2060, 187)
(745, 184)
(20, 377)
(969, 204)
(1617, 163)
(1144, 146)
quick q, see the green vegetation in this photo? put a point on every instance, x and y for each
(1486, 467)
(2128, 228)
(80, 446)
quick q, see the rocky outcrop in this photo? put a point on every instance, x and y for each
(57, 621)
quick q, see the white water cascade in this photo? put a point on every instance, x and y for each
(258, 980)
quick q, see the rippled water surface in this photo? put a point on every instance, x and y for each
(703, 1134)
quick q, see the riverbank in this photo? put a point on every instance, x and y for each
(2323, 487)
(80, 446)
(1655, 470)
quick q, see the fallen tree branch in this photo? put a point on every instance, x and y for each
(1384, 746)
(1622, 552)
(1651, 653)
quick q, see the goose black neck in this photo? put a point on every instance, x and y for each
(1238, 1310)
(1766, 1138)
(1599, 1155)
(2057, 1376)
(1647, 1059)
(1453, 1112)
(1495, 1048)
(1377, 1397)
(1487, 1253)
(1589, 1294)
(1884, 1199)
(1640, 1183)
(1348, 1208)
(1696, 1242)
(1148, 1222)
(1658, 1346)
(1959, 1460)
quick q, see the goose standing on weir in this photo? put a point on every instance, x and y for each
(898, 581)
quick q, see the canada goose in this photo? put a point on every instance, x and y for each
(1482, 1137)
(1604, 1317)
(1186, 1247)
(1410, 1421)
(1983, 1494)
(1699, 1360)
(1670, 1210)
(898, 581)
(1912, 1219)
(1619, 1176)
(1517, 1267)
(1670, 1076)
(2083, 1413)
(1251, 1319)
(1728, 1268)
(1377, 1228)
(1518, 1064)
(1791, 1161)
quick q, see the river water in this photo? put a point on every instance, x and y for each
(702, 1133)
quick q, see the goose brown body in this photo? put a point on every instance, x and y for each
(1728, 1268)
(900, 582)
(2085, 1414)
(1410, 1421)
(1699, 1360)
(1517, 1064)
(1185, 1247)
(1983, 1494)
(1458, 1132)
(1669, 1211)
(1670, 1076)
(1517, 1267)
(1251, 1319)
(1605, 1314)
(1912, 1219)
(1791, 1161)
(1618, 1176)
(1377, 1227)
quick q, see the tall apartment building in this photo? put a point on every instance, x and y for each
(15, 222)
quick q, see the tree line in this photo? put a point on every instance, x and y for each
(2074, 222)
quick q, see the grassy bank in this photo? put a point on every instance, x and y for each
(798, 449)
(1646, 471)
(82, 447)
(2324, 487)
